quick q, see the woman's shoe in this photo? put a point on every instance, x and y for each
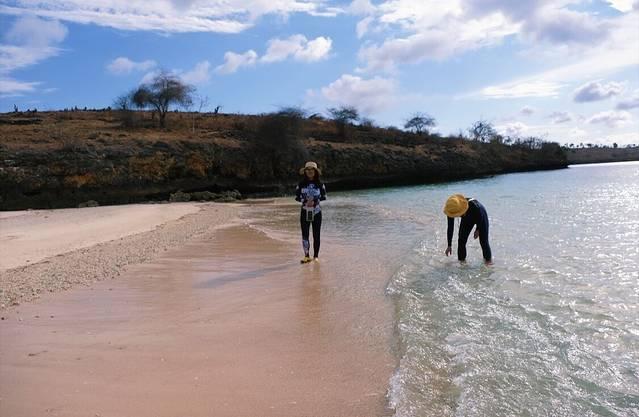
(316, 259)
(305, 260)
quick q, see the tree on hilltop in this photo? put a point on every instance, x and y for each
(482, 131)
(164, 90)
(342, 116)
(419, 123)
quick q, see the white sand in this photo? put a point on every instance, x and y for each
(77, 247)
(27, 237)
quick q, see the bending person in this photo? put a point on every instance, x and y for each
(472, 213)
(310, 191)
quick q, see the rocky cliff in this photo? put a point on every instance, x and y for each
(55, 160)
(598, 155)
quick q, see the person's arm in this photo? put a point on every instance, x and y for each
(322, 192)
(449, 235)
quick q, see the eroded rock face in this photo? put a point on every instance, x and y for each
(114, 173)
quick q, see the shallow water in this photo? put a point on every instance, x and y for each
(552, 329)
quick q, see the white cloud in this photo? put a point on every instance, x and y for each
(16, 57)
(560, 26)
(149, 76)
(437, 30)
(315, 50)
(123, 65)
(596, 91)
(297, 46)
(630, 103)
(612, 118)
(519, 89)
(362, 26)
(618, 52)
(621, 5)
(175, 16)
(367, 95)
(514, 129)
(576, 133)
(32, 31)
(12, 88)
(31, 40)
(361, 7)
(437, 42)
(527, 111)
(558, 117)
(233, 61)
(200, 74)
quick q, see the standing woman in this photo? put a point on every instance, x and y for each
(310, 191)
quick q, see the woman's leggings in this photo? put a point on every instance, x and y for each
(465, 227)
(317, 225)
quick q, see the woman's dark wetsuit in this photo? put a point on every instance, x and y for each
(475, 215)
(311, 190)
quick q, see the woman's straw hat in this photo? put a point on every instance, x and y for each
(312, 165)
(456, 206)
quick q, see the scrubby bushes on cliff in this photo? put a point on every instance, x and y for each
(277, 148)
(342, 117)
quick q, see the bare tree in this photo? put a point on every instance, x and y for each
(202, 101)
(124, 107)
(164, 90)
(125, 101)
(420, 122)
(482, 131)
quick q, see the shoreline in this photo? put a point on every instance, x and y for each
(222, 323)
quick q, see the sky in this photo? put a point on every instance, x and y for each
(563, 70)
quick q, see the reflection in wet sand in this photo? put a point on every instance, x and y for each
(231, 326)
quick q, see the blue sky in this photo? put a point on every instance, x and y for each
(566, 70)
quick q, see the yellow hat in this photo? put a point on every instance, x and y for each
(456, 206)
(310, 165)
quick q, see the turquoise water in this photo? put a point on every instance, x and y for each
(552, 329)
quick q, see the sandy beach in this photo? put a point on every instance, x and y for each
(27, 237)
(210, 315)
(46, 251)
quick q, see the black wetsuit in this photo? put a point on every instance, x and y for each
(475, 215)
(311, 191)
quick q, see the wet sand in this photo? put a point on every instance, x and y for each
(226, 325)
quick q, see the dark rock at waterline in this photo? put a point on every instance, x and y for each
(90, 203)
(180, 197)
(223, 197)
